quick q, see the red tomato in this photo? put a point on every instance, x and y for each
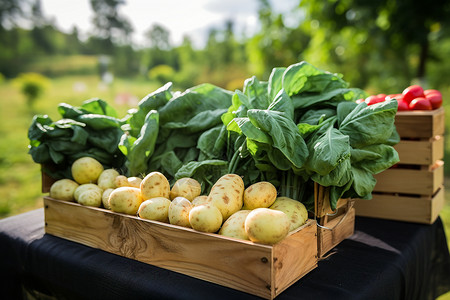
(394, 96)
(412, 92)
(431, 91)
(373, 99)
(435, 100)
(359, 101)
(402, 105)
(420, 103)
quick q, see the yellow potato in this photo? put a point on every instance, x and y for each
(86, 170)
(156, 209)
(234, 226)
(266, 226)
(260, 194)
(90, 198)
(179, 210)
(295, 210)
(121, 181)
(155, 185)
(205, 218)
(63, 189)
(227, 194)
(125, 200)
(84, 187)
(188, 188)
(106, 180)
(134, 181)
(199, 200)
(105, 198)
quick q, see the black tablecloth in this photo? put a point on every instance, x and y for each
(382, 260)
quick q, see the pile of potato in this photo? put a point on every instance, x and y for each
(254, 213)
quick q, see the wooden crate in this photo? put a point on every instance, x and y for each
(261, 270)
(413, 190)
(332, 226)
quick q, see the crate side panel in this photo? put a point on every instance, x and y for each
(228, 262)
(295, 257)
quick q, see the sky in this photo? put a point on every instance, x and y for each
(180, 17)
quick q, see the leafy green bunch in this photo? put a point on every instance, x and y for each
(304, 126)
(93, 129)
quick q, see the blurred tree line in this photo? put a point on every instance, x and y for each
(380, 44)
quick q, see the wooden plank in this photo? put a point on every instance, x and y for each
(257, 269)
(410, 181)
(420, 124)
(423, 210)
(420, 152)
(335, 231)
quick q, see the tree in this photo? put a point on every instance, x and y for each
(160, 50)
(111, 27)
(376, 38)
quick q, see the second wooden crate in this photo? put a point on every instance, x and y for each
(412, 190)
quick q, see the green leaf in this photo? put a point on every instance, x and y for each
(327, 151)
(373, 124)
(284, 133)
(257, 94)
(275, 83)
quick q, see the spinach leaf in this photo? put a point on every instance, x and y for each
(138, 150)
(367, 125)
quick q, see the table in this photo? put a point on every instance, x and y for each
(382, 260)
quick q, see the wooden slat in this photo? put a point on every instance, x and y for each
(420, 124)
(420, 152)
(423, 210)
(410, 181)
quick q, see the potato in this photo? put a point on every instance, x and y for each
(84, 187)
(205, 218)
(105, 198)
(227, 193)
(90, 198)
(106, 180)
(155, 185)
(260, 194)
(179, 210)
(86, 170)
(234, 226)
(63, 189)
(126, 200)
(266, 226)
(156, 209)
(188, 188)
(199, 200)
(295, 210)
(121, 181)
(134, 181)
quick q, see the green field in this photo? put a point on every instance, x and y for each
(20, 177)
